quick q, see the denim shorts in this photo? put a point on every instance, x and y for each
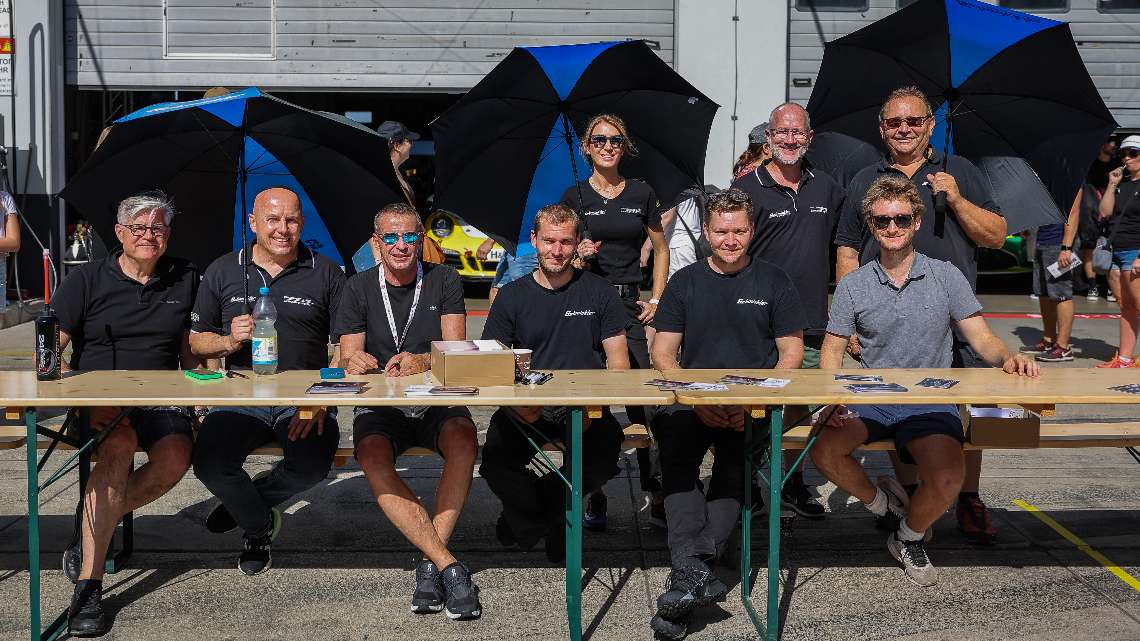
(512, 268)
(1122, 259)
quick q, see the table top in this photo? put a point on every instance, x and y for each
(1055, 386)
(145, 388)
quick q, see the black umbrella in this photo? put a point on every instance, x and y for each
(212, 156)
(1004, 84)
(509, 146)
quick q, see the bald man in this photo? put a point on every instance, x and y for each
(305, 287)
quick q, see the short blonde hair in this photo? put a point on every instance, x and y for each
(893, 188)
(556, 214)
(909, 91)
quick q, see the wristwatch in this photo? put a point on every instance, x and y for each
(654, 301)
(1066, 248)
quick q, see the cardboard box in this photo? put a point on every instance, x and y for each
(478, 363)
(1004, 427)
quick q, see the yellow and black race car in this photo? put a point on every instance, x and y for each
(460, 242)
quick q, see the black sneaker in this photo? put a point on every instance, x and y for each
(1040, 348)
(691, 583)
(256, 557)
(462, 594)
(796, 496)
(85, 616)
(595, 518)
(73, 561)
(428, 596)
(667, 629)
(1056, 355)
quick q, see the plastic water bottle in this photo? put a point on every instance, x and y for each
(264, 335)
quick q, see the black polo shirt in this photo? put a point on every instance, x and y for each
(361, 309)
(746, 312)
(954, 246)
(619, 223)
(794, 232)
(305, 294)
(565, 327)
(116, 322)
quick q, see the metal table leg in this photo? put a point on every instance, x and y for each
(574, 525)
(33, 527)
(768, 628)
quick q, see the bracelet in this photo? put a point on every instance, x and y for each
(654, 301)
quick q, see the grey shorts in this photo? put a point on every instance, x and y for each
(405, 429)
(1058, 289)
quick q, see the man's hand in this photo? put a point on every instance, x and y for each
(241, 330)
(1021, 365)
(484, 249)
(299, 428)
(1064, 258)
(1115, 176)
(943, 181)
(713, 415)
(587, 249)
(405, 364)
(735, 417)
(360, 363)
(648, 312)
(854, 349)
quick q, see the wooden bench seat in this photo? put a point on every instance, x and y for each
(1053, 435)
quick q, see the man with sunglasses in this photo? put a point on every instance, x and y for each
(902, 308)
(796, 209)
(305, 287)
(386, 321)
(971, 219)
(130, 311)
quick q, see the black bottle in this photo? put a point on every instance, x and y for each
(47, 346)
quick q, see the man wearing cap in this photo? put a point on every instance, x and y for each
(305, 287)
(757, 152)
(971, 219)
(400, 141)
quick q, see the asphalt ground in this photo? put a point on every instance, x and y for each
(341, 571)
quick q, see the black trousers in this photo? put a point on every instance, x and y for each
(682, 440)
(532, 503)
(638, 346)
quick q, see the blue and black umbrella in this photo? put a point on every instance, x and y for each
(1009, 89)
(510, 145)
(212, 157)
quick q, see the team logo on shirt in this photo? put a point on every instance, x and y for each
(780, 214)
(432, 308)
(170, 302)
(819, 210)
(631, 210)
(194, 318)
(239, 299)
(594, 213)
(751, 301)
(583, 312)
(298, 300)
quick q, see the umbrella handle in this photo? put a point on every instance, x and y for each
(939, 214)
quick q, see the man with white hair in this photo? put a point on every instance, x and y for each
(128, 311)
(796, 210)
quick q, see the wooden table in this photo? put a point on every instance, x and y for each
(819, 387)
(583, 391)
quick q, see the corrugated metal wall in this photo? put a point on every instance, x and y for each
(1108, 42)
(342, 44)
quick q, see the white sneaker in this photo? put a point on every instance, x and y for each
(897, 502)
(1111, 297)
(915, 562)
(1093, 293)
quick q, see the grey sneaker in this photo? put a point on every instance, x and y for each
(428, 596)
(898, 502)
(916, 563)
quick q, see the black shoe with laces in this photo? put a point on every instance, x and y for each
(797, 497)
(461, 593)
(668, 629)
(73, 561)
(428, 596)
(691, 583)
(256, 557)
(85, 616)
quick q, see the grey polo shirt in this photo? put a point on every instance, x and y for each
(908, 326)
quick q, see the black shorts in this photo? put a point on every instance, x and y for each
(404, 431)
(152, 424)
(914, 427)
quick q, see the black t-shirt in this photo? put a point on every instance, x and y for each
(118, 323)
(1125, 223)
(954, 246)
(794, 232)
(305, 294)
(619, 223)
(1098, 172)
(565, 327)
(361, 309)
(733, 319)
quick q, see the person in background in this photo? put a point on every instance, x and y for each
(1055, 294)
(758, 151)
(1121, 207)
(9, 241)
(511, 267)
(619, 214)
(1092, 227)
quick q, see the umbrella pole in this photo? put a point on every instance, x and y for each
(244, 223)
(577, 182)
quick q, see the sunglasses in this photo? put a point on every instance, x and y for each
(599, 142)
(911, 121)
(1130, 153)
(902, 221)
(410, 237)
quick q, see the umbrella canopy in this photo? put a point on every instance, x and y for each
(510, 145)
(213, 156)
(1004, 84)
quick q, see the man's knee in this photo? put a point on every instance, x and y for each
(832, 443)
(457, 440)
(375, 452)
(171, 455)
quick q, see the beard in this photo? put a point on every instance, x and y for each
(550, 266)
(794, 160)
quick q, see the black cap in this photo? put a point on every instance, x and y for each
(394, 130)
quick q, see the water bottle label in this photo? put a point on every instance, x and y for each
(264, 351)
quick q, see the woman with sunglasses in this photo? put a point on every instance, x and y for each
(1121, 206)
(617, 214)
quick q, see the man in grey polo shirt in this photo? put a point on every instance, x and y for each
(903, 308)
